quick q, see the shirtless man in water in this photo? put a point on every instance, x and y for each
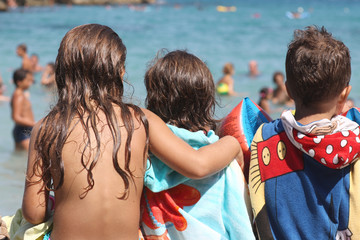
(27, 64)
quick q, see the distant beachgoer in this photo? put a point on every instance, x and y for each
(253, 69)
(225, 86)
(26, 64)
(36, 66)
(265, 97)
(22, 113)
(2, 90)
(256, 15)
(91, 148)
(48, 76)
(280, 95)
(139, 8)
(296, 14)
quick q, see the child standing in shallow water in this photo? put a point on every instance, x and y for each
(91, 148)
(22, 113)
(304, 167)
(181, 91)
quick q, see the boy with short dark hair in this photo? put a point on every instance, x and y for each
(303, 166)
(21, 109)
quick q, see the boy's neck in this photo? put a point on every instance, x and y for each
(20, 88)
(306, 115)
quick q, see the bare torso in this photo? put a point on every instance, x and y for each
(100, 214)
(27, 64)
(22, 113)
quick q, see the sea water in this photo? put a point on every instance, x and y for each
(258, 30)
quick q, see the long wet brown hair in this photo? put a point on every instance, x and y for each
(181, 91)
(89, 71)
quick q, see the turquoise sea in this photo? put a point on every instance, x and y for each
(258, 29)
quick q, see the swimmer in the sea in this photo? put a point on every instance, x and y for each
(225, 85)
(253, 69)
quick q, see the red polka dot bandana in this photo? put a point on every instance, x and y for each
(333, 143)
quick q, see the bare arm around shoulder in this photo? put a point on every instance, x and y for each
(181, 157)
(35, 199)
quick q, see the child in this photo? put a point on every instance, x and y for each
(303, 171)
(180, 89)
(265, 95)
(21, 109)
(91, 147)
(225, 85)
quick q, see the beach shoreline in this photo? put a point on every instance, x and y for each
(6, 5)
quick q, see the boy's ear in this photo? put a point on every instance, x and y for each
(344, 94)
(341, 103)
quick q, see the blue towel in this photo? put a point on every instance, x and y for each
(176, 207)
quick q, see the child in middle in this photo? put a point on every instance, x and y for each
(181, 91)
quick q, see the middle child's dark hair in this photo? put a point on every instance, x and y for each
(181, 91)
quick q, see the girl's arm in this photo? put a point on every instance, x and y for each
(35, 199)
(181, 157)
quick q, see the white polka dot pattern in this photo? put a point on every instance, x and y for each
(335, 150)
(329, 149)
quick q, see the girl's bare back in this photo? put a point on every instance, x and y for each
(101, 214)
